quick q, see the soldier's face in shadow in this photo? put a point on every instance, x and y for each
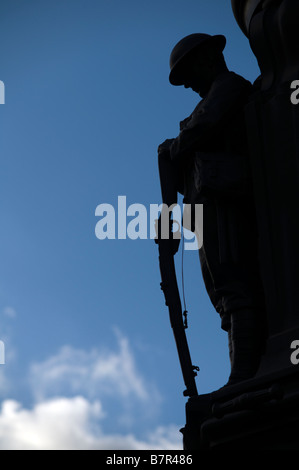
(199, 72)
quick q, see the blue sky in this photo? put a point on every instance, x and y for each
(90, 357)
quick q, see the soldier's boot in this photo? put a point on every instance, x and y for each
(245, 345)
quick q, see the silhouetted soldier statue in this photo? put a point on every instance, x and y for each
(208, 164)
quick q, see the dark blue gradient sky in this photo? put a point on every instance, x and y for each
(87, 103)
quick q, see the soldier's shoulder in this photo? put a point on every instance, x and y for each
(235, 80)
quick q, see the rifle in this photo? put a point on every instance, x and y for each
(167, 248)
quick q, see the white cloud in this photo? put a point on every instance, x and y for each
(92, 373)
(89, 400)
(59, 423)
(71, 424)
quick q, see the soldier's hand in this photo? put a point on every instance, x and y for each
(165, 146)
(175, 244)
(185, 122)
(173, 239)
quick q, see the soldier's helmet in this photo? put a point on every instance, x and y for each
(184, 47)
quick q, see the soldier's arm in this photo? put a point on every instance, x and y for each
(172, 182)
(175, 179)
(174, 169)
(224, 99)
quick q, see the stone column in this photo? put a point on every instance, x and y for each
(273, 131)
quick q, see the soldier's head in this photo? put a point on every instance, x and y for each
(196, 61)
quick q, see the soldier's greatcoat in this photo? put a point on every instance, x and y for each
(212, 150)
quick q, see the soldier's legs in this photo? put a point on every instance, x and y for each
(232, 286)
(246, 341)
(237, 288)
(215, 297)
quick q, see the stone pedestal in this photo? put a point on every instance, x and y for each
(259, 414)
